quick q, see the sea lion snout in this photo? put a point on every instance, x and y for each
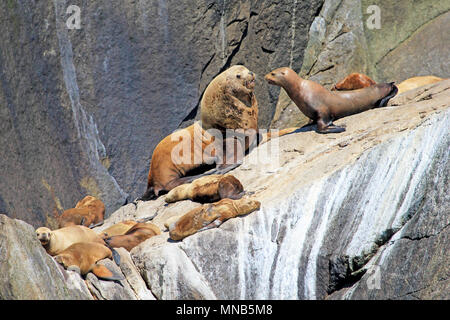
(43, 235)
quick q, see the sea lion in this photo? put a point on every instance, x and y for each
(137, 234)
(227, 103)
(210, 188)
(324, 106)
(354, 81)
(117, 229)
(210, 216)
(56, 241)
(89, 212)
(85, 256)
(416, 82)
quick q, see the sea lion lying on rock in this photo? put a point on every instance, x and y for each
(210, 188)
(88, 212)
(211, 216)
(85, 256)
(56, 241)
(118, 229)
(353, 81)
(137, 234)
(415, 82)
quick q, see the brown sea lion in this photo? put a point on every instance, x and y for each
(85, 256)
(56, 241)
(137, 234)
(324, 106)
(210, 188)
(210, 216)
(89, 211)
(354, 81)
(118, 229)
(416, 82)
(227, 103)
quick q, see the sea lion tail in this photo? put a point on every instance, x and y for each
(102, 272)
(383, 102)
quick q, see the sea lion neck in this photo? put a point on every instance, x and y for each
(292, 84)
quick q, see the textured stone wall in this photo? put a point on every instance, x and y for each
(83, 109)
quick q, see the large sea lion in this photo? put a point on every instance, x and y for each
(137, 234)
(210, 216)
(89, 211)
(56, 241)
(416, 82)
(210, 188)
(324, 106)
(227, 103)
(354, 81)
(85, 256)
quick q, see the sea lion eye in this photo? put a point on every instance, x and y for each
(238, 76)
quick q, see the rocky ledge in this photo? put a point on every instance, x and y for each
(359, 215)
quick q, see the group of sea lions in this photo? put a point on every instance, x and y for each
(76, 246)
(228, 104)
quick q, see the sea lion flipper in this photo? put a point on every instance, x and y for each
(96, 225)
(332, 129)
(102, 272)
(383, 102)
(116, 256)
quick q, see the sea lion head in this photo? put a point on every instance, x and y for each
(43, 234)
(278, 76)
(240, 77)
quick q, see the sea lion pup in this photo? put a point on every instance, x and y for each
(416, 82)
(208, 189)
(210, 216)
(85, 256)
(354, 81)
(324, 106)
(137, 234)
(118, 229)
(88, 212)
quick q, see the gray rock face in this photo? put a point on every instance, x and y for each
(83, 109)
(28, 272)
(363, 214)
(334, 209)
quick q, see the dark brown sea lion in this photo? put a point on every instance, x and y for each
(324, 106)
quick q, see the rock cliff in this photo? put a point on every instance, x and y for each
(82, 109)
(359, 215)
